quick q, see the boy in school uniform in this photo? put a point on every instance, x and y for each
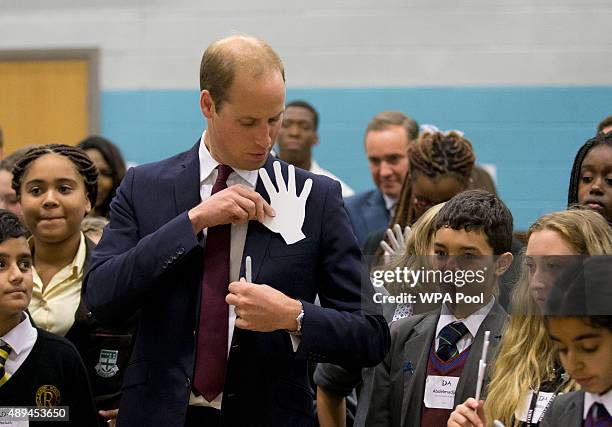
(433, 362)
(37, 369)
(579, 321)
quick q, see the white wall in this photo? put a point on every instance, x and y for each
(154, 44)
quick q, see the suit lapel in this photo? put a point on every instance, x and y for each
(574, 411)
(258, 236)
(494, 322)
(416, 353)
(187, 182)
(376, 215)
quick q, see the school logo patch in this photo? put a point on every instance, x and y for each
(107, 364)
(47, 396)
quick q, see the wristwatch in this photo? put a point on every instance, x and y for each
(298, 320)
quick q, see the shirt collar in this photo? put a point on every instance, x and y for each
(78, 262)
(590, 398)
(472, 322)
(390, 202)
(208, 165)
(22, 336)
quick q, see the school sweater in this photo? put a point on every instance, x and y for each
(52, 375)
(433, 417)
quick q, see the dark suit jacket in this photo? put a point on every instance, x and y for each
(397, 396)
(368, 213)
(149, 258)
(566, 410)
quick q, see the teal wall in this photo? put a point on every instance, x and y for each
(530, 133)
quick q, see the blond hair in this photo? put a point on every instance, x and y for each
(418, 246)
(526, 357)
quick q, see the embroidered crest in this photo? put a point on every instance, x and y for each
(47, 396)
(107, 364)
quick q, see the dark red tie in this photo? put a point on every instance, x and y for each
(211, 355)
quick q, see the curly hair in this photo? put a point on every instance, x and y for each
(77, 156)
(526, 357)
(10, 226)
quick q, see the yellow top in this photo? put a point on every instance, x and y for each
(54, 309)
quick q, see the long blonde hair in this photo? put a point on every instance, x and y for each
(526, 357)
(418, 246)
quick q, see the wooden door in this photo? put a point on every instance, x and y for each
(46, 100)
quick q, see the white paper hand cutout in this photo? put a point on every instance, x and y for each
(289, 207)
(397, 242)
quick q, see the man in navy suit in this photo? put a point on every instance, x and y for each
(386, 144)
(157, 256)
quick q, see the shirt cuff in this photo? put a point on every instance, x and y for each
(295, 342)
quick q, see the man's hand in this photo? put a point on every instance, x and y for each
(291, 208)
(262, 308)
(111, 416)
(234, 205)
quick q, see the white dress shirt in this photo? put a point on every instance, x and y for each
(472, 323)
(208, 176)
(590, 398)
(21, 339)
(390, 205)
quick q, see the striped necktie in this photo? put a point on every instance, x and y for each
(5, 350)
(598, 416)
(449, 336)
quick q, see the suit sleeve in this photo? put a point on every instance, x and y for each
(347, 328)
(125, 265)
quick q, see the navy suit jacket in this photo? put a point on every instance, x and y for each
(150, 259)
(367, 212)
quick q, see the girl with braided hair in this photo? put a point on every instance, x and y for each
(440, 165)
(57, 187)
(591, 178)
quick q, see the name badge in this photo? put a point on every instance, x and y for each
(440, 392)
(541, 404)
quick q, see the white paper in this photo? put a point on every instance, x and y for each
(289, 207)
(543, 399)
(440, 392)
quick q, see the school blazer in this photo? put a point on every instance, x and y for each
(399, 381)
(566, 410)
(150, 258)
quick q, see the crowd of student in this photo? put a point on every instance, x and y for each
(548, 305)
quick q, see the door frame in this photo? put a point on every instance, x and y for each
(91, 55)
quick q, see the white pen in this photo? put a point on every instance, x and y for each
(248, 270)
(481, 370)
(482, 364)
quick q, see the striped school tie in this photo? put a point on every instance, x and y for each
(449, 336)
(5, 349)
(598, 416)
